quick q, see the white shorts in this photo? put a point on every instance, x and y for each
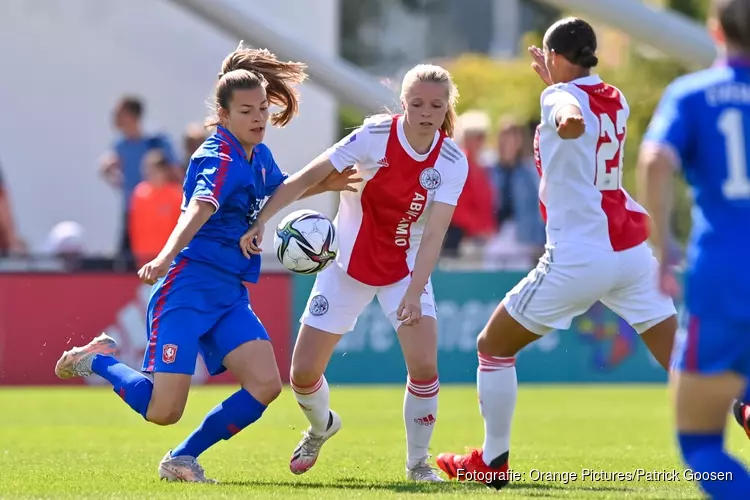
(337, 300)
(569, 279)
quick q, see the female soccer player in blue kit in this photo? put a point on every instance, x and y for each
(702, 128)
(199, 304)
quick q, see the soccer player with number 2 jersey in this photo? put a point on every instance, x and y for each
(596, 240)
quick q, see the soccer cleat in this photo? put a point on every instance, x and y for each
(471, 467)
(423, 472)
(183, 469)
(741, 413)
(306, 453)
(77, 361)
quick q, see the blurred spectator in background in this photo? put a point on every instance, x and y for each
(65, 243)
(121, 167)
(10, 242)
(154, 207)
(195, 135)
(521, 237)
(473, 217)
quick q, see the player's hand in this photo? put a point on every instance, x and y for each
(251, 240)
(410, 309)
(571, 127)
(538, 64)
(341, 181)
(668, 283)
(151, 272)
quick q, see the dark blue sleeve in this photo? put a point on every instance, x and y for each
(274, 176)
(670, 125)
(214, 180)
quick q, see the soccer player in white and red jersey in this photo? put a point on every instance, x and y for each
(390, 233)
(596, 241)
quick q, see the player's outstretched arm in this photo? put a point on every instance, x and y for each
(290, 191)
(296, 185)
(335, 181)
(570, 122)
(195, 216)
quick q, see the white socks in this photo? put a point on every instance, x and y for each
(497, 387)
(420, 415)
(315, 402)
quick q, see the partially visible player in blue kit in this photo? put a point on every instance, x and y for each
(199, 304)
(702, 127)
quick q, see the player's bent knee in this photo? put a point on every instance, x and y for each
(504, 336)
(304, 376)
(496, 345)
(265, 390)
(164, 415)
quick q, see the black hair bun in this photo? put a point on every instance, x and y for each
(587, 58)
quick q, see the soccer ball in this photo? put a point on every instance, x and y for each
(305, 242)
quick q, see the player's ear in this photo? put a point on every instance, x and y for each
(714, 29)
(223, 114)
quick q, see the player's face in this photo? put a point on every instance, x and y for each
(125, 121)
(247, 115)
(425, 105)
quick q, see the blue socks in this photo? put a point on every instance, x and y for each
(133, 387)
(236, 412)
(726, 478)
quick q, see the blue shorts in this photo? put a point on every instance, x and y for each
(197, 309)
(711, 345)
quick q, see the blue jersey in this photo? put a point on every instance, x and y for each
(220, 173)
(704, 118)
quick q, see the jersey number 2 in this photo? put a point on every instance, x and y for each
(737, 184)
(609, 154)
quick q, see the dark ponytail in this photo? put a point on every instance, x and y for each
(575, 40)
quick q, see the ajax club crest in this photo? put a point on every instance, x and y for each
(430, 178)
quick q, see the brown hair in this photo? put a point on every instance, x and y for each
(435, 74)
(734, 18)
(247, 69)
(131, 104)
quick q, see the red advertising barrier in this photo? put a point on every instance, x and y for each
(42, 315)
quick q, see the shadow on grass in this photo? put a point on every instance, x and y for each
(352, 483)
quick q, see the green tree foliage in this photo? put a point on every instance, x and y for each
(695, 9)
(511, 87)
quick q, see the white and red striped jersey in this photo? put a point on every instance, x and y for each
(380, 227)
(581, 194)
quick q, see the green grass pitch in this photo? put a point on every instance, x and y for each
(85, 443)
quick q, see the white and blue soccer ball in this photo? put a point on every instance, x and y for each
(305, 242)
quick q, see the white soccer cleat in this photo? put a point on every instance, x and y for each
(423, 472)
(306, 453)
(77, 361)
(182, 469)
